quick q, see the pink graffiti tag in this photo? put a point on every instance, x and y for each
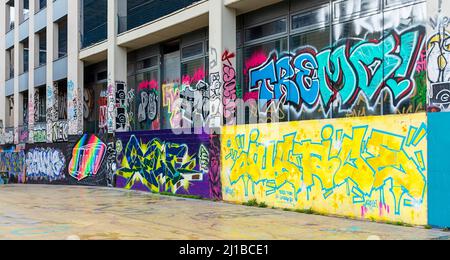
(422, 62)
(229, 88)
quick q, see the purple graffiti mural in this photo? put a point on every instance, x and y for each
(160, 161)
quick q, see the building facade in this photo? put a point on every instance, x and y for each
(335, 106)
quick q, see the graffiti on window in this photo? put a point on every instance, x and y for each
(310, 79)
(148, 97)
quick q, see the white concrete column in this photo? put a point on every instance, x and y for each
(52, 91)
(2, 70)
(117, 70)
(17, 68)
(75, 82)
(222, 44)
(31, 66)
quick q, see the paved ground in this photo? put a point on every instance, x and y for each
(61, 212)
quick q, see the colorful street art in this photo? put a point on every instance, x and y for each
(45, 164)
(152, 162)
(87, 157)
(373, 167)
(185, 106)
(214, 167)
(12, 164)
(75, 103)
(351, 70)
(40, 133)
(52, 110)
(148, 105)
(229, 88)
(438, 61)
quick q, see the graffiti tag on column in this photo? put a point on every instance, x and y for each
(60, 131)
(309, 78)
(121, 107)
(438, 62)
(215, 99)
(229, 88)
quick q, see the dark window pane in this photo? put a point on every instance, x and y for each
(346, 9)
(311, 18)
(94, 21)
(192, 51)
(268, 29)
(140, 12)
(147, 63)
(193, 71)
(62, 39)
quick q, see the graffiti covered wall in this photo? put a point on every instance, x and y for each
(164, 162)
(371, 65)
(371, 168)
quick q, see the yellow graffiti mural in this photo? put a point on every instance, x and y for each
(371, 167)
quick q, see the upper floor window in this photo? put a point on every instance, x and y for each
(135, 13)
(10, 15)
(265, 30)
(355, 8)
(26, 10)
(25, 62)
(389, 3)
(41, 97)
(10, 63)
(94, 13)
(311, 19)
(41, 4)
(62, 39)
(42, 47)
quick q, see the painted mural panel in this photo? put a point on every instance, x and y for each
(12, 164)
(80, 161)
(369, 167)
(164, 162)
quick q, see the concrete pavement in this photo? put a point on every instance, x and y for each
(70, 212)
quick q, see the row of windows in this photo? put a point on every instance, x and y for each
(25, 12)
(41, 59)
(131, 14)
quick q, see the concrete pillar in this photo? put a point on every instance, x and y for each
(2, 70)
(222, 44)
(52, 90)
(17, 68)
(33, 54)
(117, 72)
(75, 82)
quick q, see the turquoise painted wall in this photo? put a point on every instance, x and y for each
(439, 169)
